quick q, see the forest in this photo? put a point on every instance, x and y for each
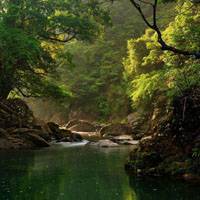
(112, 86)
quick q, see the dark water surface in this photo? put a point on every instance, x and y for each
(81, 173)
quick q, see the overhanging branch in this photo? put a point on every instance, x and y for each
(155, 27)
(57, 39)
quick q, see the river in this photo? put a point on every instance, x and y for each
(81, 173)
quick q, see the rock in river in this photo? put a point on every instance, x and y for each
(125, 140)
(104, 143)
(81, 126)
(115, 130)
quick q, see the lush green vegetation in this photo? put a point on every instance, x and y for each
(162, 70)
(94, 74)
(77, 52)
(29, 34)
(151, 71)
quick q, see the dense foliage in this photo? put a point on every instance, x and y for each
(27, 30)
(46, 50)
(93, 72)
(151, 71)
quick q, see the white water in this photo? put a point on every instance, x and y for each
(72, 144)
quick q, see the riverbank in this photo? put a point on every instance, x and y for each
(170, 146)
(21, 130)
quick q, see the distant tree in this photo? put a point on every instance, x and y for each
(28, 28)
(95, 75)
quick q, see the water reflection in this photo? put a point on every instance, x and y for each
(164, 189)
(64, 174)
(79, 173)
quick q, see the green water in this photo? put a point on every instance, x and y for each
(81, 173)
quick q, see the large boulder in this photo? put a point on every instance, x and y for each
(68, 136)
(53, 127)
(57, 133)
(75, 137)
(125, 140)
(36, 137)
(90, 136)
(115, 130)
(43, 127)
(19, 129)
(22, 138)
(62, 134)
(81, 125)
(15, 113)
(139, 123)
(6, 143)
(23, 131)
(37, 140)
(104, 143)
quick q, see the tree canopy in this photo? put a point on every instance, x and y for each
(27, 29)
(153, 24)
(152, 72)
(64, 49)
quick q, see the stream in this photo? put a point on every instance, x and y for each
(73, 172)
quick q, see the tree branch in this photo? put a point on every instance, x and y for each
(138, 7)
(154, 26)
(57, 39)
